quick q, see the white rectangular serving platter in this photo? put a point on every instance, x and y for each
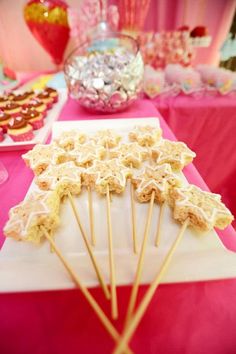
(26, 267)
(41, 134)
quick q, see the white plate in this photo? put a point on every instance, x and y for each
(26, 267)
(41, 134)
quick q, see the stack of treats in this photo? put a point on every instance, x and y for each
(23, 113)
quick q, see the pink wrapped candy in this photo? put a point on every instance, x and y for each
(187, 79)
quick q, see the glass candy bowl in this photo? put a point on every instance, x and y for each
(106, 74)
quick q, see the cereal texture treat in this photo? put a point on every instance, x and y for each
(177, 154)
(145, 135)
(159, 179)
(109, 173)
(63, 178)
(26, 219)
(204, 209)
(87, 153)
(106, 138)
(68, 139)
(131, 154)
(41, 156)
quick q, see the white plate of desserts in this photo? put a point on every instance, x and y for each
(40, 135)
(27, 267)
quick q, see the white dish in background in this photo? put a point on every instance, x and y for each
(41, 134)
(26, 267)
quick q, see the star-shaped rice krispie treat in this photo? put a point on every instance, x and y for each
(41, 156)
(63, 178)
(68, 139)
(85, 154)
(205, 210)
(159, 179)
(146, 135)
(130, 154)
(111, 173)
(177, 154)
(106, 138)
(26, 219)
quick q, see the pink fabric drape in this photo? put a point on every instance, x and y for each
(217, 15)
(19, 50)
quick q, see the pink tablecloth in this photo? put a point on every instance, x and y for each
(208, 126)
(183, 318)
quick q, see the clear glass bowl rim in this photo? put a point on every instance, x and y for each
(101, 36)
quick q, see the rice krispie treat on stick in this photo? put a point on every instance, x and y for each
(68, 139)
(152, 184)
(108, 176)
(25, 219)
(41, 156)
(159, 179)
(110, 173)
(63, 178)
(177, 154)
(106, 138)
(204, 210)
(130, 154)
(145, 135)
(84, 155)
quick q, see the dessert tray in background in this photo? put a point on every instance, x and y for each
(41, 134)
(28, 267)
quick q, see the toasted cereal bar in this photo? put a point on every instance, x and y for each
(159, 179)
(109, 173)
(63, 178)
(26, 218)
(204, 209)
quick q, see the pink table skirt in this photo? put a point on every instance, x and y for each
(208, 126)
(183, 318)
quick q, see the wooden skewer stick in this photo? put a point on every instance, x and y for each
(134, 291)
(149, 294)
(114, 307)
(90, 252)
(159, 223)
(91, 218)
(133, 211)
(97, 309)
(51, 249)
(107, 157)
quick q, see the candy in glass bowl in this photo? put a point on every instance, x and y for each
(106, 74)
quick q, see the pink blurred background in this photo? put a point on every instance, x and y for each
(20, 51)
